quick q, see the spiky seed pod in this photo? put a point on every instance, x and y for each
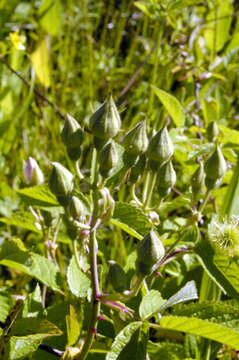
(138, 169)
(136, 141)
(212, 131)
(150, 251)
(108, 158)
(105, 122)
(61, 183)
(198, 180)
(32, 172)
(215, 168)
(166, 178)
(224, 236)
(117, 276)
(76, 209)
(160, 147)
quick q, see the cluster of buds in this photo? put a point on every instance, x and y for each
(105, 124)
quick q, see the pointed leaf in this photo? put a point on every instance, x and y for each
(172, 106)
(73, 327)
(122, 339)
(131, 219)
(150, 304)
(79, 283)
(41, 62)
(188, 292)
(39, 195)
(22, 219)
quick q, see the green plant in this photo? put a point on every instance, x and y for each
(137, 210)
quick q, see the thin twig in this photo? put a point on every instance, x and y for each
(36, 91)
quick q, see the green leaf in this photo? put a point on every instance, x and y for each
(228, 136)
(32, 326)
(172, 105)
(79, 283)
(188, 292)
(165, 351)
(217, 32)
(33, 304)
(131, 219)
(122, 339)
(6, 303)
(14, 255)
(39, 195)
(19, 347)
(204, 328)
(49, 13)
(150, 304)
(230, 204)
(215, 268)
(73, 327)
(22, 219)
(26, 336)
(144, 7)
(41, 62)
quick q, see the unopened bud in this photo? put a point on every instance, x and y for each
(135, 141)
(160, 146)
(76, 208)
(61, 183)
(154, 218)
(108, 158)
(215, 168)
(150, 251)
(198, 180)
(166, 178)
(106, 205)
(212, 131)
(117, 276)
(72, 136)
(32, 172)
(105, 122)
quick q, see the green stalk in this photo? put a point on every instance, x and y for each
(95, 304)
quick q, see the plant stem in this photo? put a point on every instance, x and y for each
(78, 171)
(202, 207)
(93, 268)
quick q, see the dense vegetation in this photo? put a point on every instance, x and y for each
(119, 210)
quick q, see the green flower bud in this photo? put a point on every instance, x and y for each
(135, 141)
(99, 143)
(72, 136)
(76, 208)
(70, 126)
(212, 131)
(108, 158)
(61, 183)
(105, 122)
(160, 146)
(215, 168)
(106, 205)
(74, 153)
(32, 172)
(129, 159)
(198, 180)
(166, 178)
(117, 276)
(150, 251)
(138, 169)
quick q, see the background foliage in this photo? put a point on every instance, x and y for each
(169, 60)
